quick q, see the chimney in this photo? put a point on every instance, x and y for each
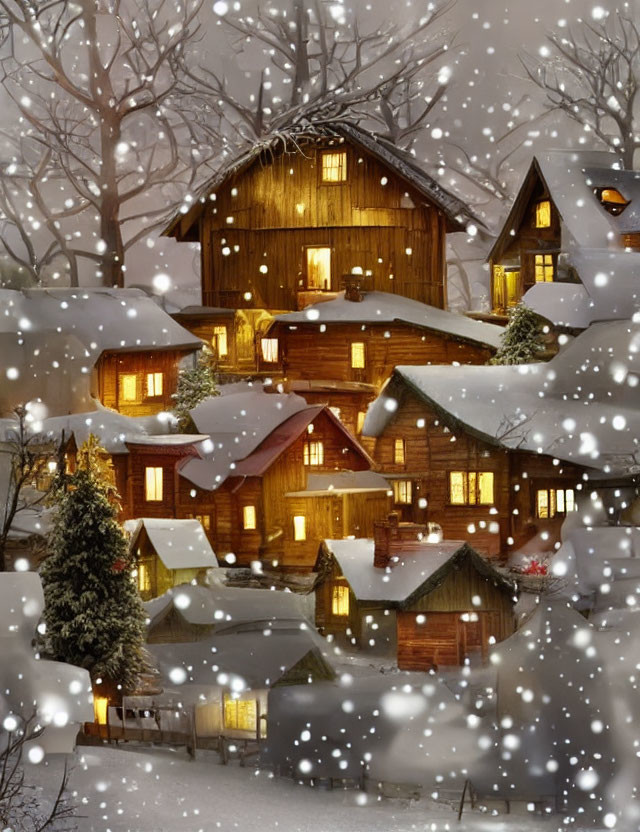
(352, 287)
(390, 536)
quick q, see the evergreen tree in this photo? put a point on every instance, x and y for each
(522, 340)
(93, 613)
(194, 386)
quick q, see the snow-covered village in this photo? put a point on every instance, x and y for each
(319, 416)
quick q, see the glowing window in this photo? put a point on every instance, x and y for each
(402, 491)
(204, 520)
(544, 268)
(340, 600)
(100, 707)
(319, 268)
(612, 200)
(361, 417)
(357, 355)
(240, 714)
(153, 484)
(299, 527)
(269, 350)
(154, 384)
(399, 452)
(313, 453)
(543, 214)
(334, 166)
(470, 488)
(144, 579)
(219, 341)
(249, 518)
(552, 501)
(129, 388)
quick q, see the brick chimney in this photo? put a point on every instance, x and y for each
(352, 287)
(390, 537)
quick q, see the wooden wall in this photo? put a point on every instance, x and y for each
(265, 216)
(113, 365)
(130, 479)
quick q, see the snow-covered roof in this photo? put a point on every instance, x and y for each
(386, 308)
(180, 544)
(582, 406)
(341, 482)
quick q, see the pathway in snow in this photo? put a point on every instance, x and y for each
(126, 790)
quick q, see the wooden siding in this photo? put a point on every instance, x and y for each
(266, 216)
(113, 365)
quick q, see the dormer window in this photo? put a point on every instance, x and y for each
(611, 200)
(334, 166)
(543, 214)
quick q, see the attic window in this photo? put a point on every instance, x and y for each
(611, 200)
(543, 214)
(399, 456)
(313, 453)
(334, 166)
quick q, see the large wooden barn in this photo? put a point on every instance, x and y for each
(281, 224)
(477, 489)
(430, 604)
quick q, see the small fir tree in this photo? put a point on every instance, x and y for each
(194, 386)
(522, 340)
(93, 614)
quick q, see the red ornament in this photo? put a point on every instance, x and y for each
(119, 565)
(535, 567)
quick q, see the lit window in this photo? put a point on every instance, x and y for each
(357, 355)
(544, 268)
(144, 579)
(612, 200)
(270, 350)
(249, 518)
(543, 214)
(240, 714)
(129, 388)
(552, 501)
(100, 706)
(402, 490)
(154, 384)
(340, 600)
(219, 341)
(299, 527)
(470, 488)
(204, 520)
(361, 417)
(334, 166)
(398, 452)
(153, 484)
(313, 453)
(319, 268)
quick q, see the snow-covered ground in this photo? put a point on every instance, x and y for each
(129, 790)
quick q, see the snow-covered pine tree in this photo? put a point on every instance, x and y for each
(194, 386)
(522, 340)
(93, 614)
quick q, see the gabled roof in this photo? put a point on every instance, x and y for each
(582, 406)
(180, 544)
(420, 569)
(385, 308)
(399, 162)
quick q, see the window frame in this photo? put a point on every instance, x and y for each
(313, 457)
(299, 529)
(553, 502)
(548, 214)
(219, 336)
(399, 451)
(400, 499)
(307, 285)
(342, 167)
(249, 518)
(553, 256)
(152, 384)
(269, 344)
(340, 600)
(158, 472)
(122, 386)
(357, 354)
(471, 480)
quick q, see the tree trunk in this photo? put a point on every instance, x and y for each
(110, 231)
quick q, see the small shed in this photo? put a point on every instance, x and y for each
(432, 603)
(168, 552)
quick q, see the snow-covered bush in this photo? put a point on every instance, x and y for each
(194, 386)
(522, 341)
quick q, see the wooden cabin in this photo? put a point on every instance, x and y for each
(280, 225)
(429, 604)
(167, 553)
(306, 477)
(495, 497)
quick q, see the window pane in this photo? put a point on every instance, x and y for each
(240, 714)
(249, 517)
(543, 214)
(334, 166)
(472, 481)
(542, 501)
(361, 418)
(485, 489)
(544, 269)
(144, 582)
(128, 385)
(340, 600)
(270, 350)
(300, 527)
(154, 384)
(153, 484)
(313, 453)
(398, 452)
(457, 488)
(402, 491)
(319, 268)
(570, 500)
(357, 355)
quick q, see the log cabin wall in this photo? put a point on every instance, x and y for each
(350, 406)
(129, 383)
(138, 500)
(309, 353)
(255, 232)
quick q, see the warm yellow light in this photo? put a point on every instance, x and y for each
(128, 385)
(100, 707)
(543, 214)
(153, 484)
(300, 527)
(249, 517)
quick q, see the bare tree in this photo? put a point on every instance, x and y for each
(22, 806)
(96, 85)
(315, 62)
(591, 74)
(27, 455)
